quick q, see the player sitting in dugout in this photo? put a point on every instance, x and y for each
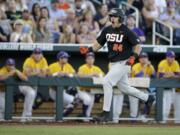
(8, 70)
(61, 68)
(84, 94)
(169, 68)
(35, 65)
(143, 68)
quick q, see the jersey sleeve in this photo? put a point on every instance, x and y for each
(45, 64)
(177, 68)
(132, 38)
(99, 71)
(101, 38)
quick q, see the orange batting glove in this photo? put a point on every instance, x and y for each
(131, 61)
(83, 50)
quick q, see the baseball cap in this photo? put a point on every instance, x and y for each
(90, 54)
(37, 51)
(170, 54)
(62, 54)
(143, 55)
(10, 62)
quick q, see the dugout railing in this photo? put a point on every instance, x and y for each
(62, 82)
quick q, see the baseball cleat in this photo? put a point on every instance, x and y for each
(149, 103)
(103, 117)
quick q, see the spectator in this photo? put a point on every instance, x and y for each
(88, 5)
(36, 13)
(85, 37)
(79, 10)
(18, 34)
(21, 5)
(161, 4)
(171, 18)
(5, 27)
(112, 4)
(28, 22)
(8, 70)
(150, 12)
(139, 4)
(12, 13)
(138, 31)
(102, 16)
(43, 3)
(92, 25)
(56, 13)
(3, 5)
(52, 25)
(41, 34)
(67, 36)
(63, 5)
(72, 20)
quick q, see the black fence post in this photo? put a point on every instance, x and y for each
(59, 103)
(8, 102)
(159, 104)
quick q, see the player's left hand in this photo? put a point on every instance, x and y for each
(83, 50)
(130, 61)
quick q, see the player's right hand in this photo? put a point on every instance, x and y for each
(130, 61)
(83, 50)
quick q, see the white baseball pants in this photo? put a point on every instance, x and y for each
(2, 104)
(67, 98)
(118, 75)
(87, 99)
(177, 107)
(118, 105)
(29, 95)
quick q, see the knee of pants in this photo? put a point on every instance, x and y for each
(107, 85)
(31, 93)
(67, 99)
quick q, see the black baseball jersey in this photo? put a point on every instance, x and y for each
(120, 42)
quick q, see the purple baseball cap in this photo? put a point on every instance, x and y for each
(170, 54)
(62, 54)
(143, 55)
(37, 51)
(90, 54)
(10, 62)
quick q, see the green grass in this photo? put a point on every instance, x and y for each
(87, 130)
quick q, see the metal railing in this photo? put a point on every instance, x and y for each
(160, 34)
(126, 5)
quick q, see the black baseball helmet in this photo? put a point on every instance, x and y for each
(117, 12)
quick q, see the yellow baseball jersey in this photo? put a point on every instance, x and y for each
(32, 64)
(164, 67)
(56, 67)
(85, 70)
(3, 71)
(139, 71)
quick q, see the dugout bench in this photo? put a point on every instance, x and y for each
(62, 82)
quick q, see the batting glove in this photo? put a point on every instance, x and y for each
(84, 50)
(132, 59)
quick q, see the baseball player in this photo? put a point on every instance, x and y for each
(7, 71)
(168, 68)
(142, 69)
(35, 65)
(123, 48)
(88, 70)
(62, 68)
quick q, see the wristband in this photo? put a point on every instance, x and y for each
(135, 55)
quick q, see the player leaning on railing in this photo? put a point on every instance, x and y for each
(123, 49)
(7, 71)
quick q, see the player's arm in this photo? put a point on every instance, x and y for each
(100, 41)
(135, 42)
(21, 75)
